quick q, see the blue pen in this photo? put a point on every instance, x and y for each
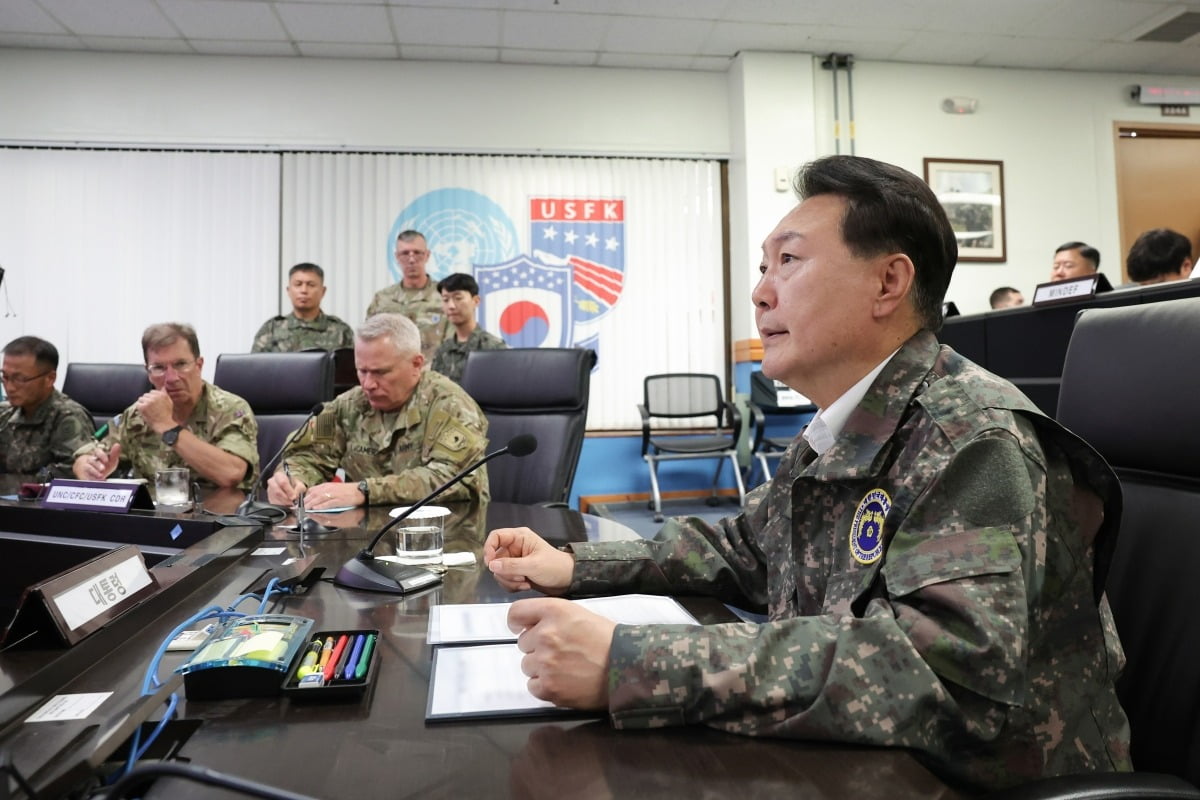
(352, 663)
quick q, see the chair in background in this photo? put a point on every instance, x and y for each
(694, 396)
(344, 375)
(770, 398)
(281, 388)
(105, 390)
(1128, 390)
(540, 391)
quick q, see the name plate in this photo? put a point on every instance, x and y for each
(1070, 290)
(96, 496)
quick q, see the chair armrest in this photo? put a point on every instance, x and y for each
(1103, 786)
(734, 416)
(759, 421)
(645, 428)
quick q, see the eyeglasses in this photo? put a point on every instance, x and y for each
(411, 253)
(181, 367)
(21, 380)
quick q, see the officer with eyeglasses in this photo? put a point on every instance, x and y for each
(40, 427)
(184, 421)
(416, 296)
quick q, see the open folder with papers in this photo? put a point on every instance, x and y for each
(477, 666)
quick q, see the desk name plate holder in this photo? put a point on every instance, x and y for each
(1070, 290)
(108, 496)
(75, 603)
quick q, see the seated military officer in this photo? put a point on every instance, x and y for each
(307, 327)
(40, 427)
(184, 421)
(398, 435)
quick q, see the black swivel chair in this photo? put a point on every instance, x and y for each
(695, 397)
(1129, 389)
(541, 391)
(281, 388)
(105, 390)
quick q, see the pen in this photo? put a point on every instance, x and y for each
(331, 665)
(364, 660)
(287, 473)
(355, 654)
(341, 662)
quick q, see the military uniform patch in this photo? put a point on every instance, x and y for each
(866, 531)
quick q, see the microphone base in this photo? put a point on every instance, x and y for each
(310, 527)
(370, 574)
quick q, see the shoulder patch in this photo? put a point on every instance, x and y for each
(866, 531)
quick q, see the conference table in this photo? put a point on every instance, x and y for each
(378, 745)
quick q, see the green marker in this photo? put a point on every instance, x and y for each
(365, 659)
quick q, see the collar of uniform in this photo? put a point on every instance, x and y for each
(200, 412)
(827, 425)
(874, 419)
(316, 322)
(407, 415)
(39, 415)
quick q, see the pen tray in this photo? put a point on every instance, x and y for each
(339, 688)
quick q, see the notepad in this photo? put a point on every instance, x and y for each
(478, 623)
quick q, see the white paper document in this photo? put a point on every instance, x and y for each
(480, 681)
(488, 622)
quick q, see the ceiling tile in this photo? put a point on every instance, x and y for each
(121, 44)
(569, 58)
(220, 19)
(1122, 57)
(25, 16)
(425, 52)
(223, 47)
(347, 50)
(1096, 20)
(326, 22)
(666, 9)
(643, 61)
(730, 38)
(123, 18)
(446, 26)
(552, 30)
(657, 36)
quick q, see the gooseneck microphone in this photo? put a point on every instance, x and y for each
(365, 571)
(250, 506)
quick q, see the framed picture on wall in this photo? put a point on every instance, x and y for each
(972, 192)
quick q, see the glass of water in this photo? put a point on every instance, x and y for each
(173, 488)
(420, 537)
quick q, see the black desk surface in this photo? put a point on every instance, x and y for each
(380, 746)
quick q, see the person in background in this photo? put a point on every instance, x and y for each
(183, 421)
(1074, 260)
(40, 427)
(416, 296)
(1158, 256)
(307, 327)
(925, 555)
(1006, 297)
(460, 300)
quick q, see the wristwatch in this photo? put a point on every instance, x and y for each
(366, 492)
(172, 436)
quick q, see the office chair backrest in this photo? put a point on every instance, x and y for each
(541, 391)
(281, 388)
(344, 375)
(105, 390)
(683, 394)
(1129, 388)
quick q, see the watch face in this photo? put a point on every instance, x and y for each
(171, 437)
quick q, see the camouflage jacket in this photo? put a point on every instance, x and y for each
(451, 355)
(47, 438)
(220, 418)
(422, 306)
(290, 334)
(928, 582)
(403, 455)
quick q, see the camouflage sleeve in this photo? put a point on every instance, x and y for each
(315, 454)
(263, 339)
(375, 308)
(441, 360)
(239, 435)
(72, 430)
(455, 436)
(934, 655)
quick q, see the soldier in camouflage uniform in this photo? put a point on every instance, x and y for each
(930, 555)
(40, 427)
(416, 295)
(460, 300)
(184, 421)
(399, 434)
(307, 327)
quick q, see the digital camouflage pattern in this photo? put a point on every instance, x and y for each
(451, 356)
(405, 454)
(422, 306)
(290, 334)
(220, 418)
(47, 438)
(972, 635)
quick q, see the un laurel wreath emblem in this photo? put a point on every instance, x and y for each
(866, 532)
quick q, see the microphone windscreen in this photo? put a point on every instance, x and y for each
(522, 445)
(317, 409)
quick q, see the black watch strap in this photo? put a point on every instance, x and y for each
(171, 436)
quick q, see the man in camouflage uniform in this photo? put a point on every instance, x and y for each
(401, 433)
(460, 300)
(40, 427)
(416, 295)
(307, 327)
(184, 421)
(930, 554)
